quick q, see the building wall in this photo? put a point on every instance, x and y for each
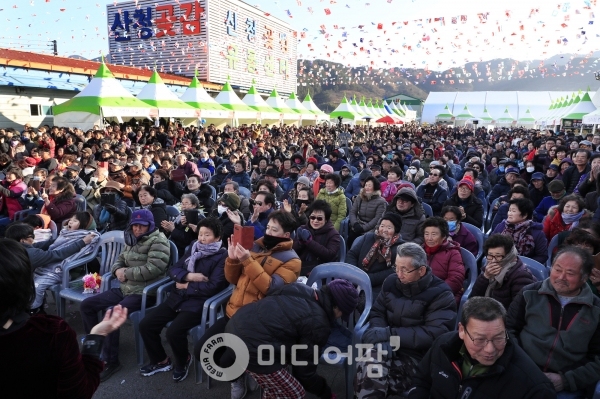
(15, 104)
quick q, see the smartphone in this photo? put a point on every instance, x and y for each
(191, 216)
(108, 199)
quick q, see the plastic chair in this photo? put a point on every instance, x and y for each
(427, 209)
(343, 250)
(471, 276)
(325, 273)
(490, 215)
(205, 173)
(478, 236)
(551, 246)
(485, 212)
(110, 247)
(348, 206)
(344, 227)
(53, 228)
(81, 203)
(20, 215)
(539, 271)
(213, 193)
(172, 213)
(244, 192)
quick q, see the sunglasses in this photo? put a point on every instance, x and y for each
(317, 218)
(433, 174)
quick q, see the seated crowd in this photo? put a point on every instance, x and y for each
(447, 230)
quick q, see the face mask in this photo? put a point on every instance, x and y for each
(412, 170)
(322, 176)
(501, 168)
(204, 159)
(452, 225)
(87, 171)
(25, 139)
(530, 169)
(221, 209)
(270, 241)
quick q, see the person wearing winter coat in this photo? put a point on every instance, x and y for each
(471, 207)
(505, 274)
(415, 174)
(190, 168)
(292, 314)
(412, 309)
(515, 193)
(346, 175)
(557, 192)
(367, 209)
(160, 179)
(432, 193)
(565, 216)
(195, 185)
(59, 201)
(148, 199)
(527, 235)
(334, 196)
(180, 231)
(144, 260)
(443, 256)
(406, 204)
(228, 204)
(318, 241)
(239, 176)
(427, 158)
(357, 157)
(459, 233)
(538, 189)
(390, 187)
(198, 275)
(110, 217)
(505, 184)
(375, 252)
(479, 361)
(356, 184)
(11, 191)
(319, 182)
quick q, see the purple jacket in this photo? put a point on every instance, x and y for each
(190, 169)
(323, 247)
(540, 248)
(466, 240)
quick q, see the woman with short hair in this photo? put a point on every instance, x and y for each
(148, 199)
(59, 201)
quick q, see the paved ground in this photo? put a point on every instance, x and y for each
(128, 383)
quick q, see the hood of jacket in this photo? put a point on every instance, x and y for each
(131, 240)
(365, 197)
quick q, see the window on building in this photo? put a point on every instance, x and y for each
(40, 110)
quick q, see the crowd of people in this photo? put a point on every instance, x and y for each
(402, 201)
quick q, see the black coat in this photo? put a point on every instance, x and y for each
(289, 316)
(183, 236)
(192, 299)
(159, 211)
(418, 312)
(473, 209)
(164, 193)
(322, 248)
(514, 375)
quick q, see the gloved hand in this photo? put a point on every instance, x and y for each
(110, 208)
(358, 228)
(376, 334)
(304, 235)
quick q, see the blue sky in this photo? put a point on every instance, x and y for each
(491, 29)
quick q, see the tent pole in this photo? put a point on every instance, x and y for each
(593, 128)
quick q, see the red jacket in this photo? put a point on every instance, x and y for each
(446, 263)
(553, 223)
(11, 202)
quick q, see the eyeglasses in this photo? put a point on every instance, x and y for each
(31, 236)
(497, 258)
(498, 342)
(317, 218)
(433, 174)
(404, 272)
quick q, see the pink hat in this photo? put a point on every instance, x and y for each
(327, 168)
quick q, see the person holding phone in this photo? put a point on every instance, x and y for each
(183, 231)
(112, 213)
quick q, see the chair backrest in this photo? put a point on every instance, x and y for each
(539, 271)
(551, 246)
(427, 209)
(174, 255)
(470, 270)
(478, 236)
(348, 206)
(244, 192)
(344, 227)
(53, 229)
(111, 245)
(20, 215)
(343, 250)
(485, 212)
(81, 203)
(490, 214)
(328, 271)
(213, 192)
(172, 213)
(205, 173)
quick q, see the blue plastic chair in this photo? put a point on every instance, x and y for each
(478, 236)
(427, 209)
(490, 216)
(485, 212)
(81, 203)
(343, 250)
(172, 213)
(213, 193)
(205, 173)
(53, 229)
(324, 273)
(20, 215)
(539, 271)
(551, 246)
(344, 227)
(471, 276)
(348, 206)
(110, 247)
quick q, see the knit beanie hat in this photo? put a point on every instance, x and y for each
(345, 296)
(468, 182)
(327, 168)
(416, 164)
(231, 201)
(395, 219)
(364, 174)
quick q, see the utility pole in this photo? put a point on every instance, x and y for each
(54, 47)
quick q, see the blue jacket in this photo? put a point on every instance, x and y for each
(500, 189)
(501, 214)
(210, 165)
(354, 187)
(542, 209)
(337, 165)
(242, 178)
(260, 226)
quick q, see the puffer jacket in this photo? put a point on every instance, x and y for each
(60, 209)
(559, 340)
(513, 375)
(378, 271)
(367, 210)
(291, 315)
(144, 262)
(473, 208)
(417, 312)
(539, 251)
(410, 219)
(553, 224)
(323, 247)
(252, 277)
(119, 217)
(242, 179)
(11, 194)
(440, 195)
(447, 264)
(192, 299)
(164, 193)
(337, 201)
(516, 278)
(159, 211)
(500, 189)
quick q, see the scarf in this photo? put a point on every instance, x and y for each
(431, 250)
(382, 247)
(521, 237)
(104, 216)
(573, 220)
(201, 251)
(507, 263)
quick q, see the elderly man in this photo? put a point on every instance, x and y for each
(432, 192)
(92, 191)
(505, 184)
(573, 174)
(557, 323)
(412, 309)
(480, 359)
